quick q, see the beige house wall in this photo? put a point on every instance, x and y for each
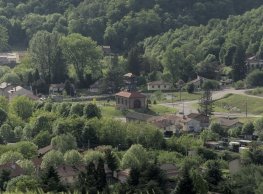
(159, 87)
(128, 102)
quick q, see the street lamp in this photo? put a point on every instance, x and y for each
(246, 107)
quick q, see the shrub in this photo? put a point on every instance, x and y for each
(255, 78)
(239, 84)
(154, 102)
(190, 88)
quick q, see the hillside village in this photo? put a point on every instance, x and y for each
(125, 97)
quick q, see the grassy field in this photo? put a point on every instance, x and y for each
(184, 96)
(110, 111)
(254, 105)
(216, 109)
(257, 92)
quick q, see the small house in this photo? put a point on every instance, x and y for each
(228, 123)
(19, 91)
(56, 88)
(94, 87)
(14, 168)
(158, 85)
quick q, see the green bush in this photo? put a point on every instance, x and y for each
(154, 102)
(239, 84)
(255, 78)
(190, 88)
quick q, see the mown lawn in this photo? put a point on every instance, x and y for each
(184, 96)
(216, 108)
(110, 111)
(257, 92)
(254, 105)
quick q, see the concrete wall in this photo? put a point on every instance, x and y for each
(94, 89)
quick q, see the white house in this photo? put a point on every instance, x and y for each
(190, 125)
(254, 62)
(18, 91)
(94, 87)
(56, 88)
(158, 85)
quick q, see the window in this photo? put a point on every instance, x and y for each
(152, 86)
(118, 100)
(158, 86)
(164, 86)
(126, 101)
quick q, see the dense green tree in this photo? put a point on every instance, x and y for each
(258, 124)
(101, 182)
(238, 64)
(134, 157)
(27, 165)
(42, 139)
(6, 132)
(185, 185)
(111, 159)
(248, 128)
(200, 185)
(18, 131)
(3, 116)
(27, 149)
(50, 180)
(21, 106)
(3, 38)
(52, 158)
(64, 142)
(4, 103)
(213, 174)
(206, 103)
(4, 178)
(91, 111)
(46, 54)
(27, 132)
(83, 53)
(254, 78)
(10, 156)
(73, 157)
(77, 109)
(190, 87)
(134, 60)
(173, 60)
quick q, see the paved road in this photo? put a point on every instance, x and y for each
(187, 108)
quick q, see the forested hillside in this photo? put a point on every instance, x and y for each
(117, 23)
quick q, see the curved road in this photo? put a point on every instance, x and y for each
(187, 108)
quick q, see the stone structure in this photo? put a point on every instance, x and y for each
(130, 98)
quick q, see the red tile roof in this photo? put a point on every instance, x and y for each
(161, 124)
(130, 94)
(46, 149)
(37, 161)
(169, 117)
(15, 169)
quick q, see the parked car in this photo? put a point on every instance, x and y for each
(181, 112)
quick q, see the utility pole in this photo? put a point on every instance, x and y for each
(246, 107)
(180, 91)
(88, 145)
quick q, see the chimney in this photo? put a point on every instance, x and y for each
(13, 165)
